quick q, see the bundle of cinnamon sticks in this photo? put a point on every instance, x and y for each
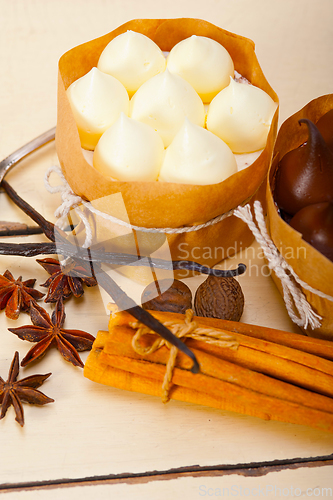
(247, 369)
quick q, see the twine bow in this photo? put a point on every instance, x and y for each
(186, 329)
(293, 296)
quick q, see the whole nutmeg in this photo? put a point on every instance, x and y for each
(176, 298)
(220, 298)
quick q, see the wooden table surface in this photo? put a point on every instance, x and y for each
(96, 441)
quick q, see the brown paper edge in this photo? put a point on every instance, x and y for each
(309, 264)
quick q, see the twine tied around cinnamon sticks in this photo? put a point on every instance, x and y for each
(189, 329)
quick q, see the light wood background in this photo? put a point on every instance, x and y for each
(98, 432)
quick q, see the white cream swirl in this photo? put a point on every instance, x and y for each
(196, 156)
(132, 58)
(241, 115)
(129, 151)
(202, 62)
(164, 101)
(96, 100)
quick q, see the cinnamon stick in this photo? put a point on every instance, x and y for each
(318, 347)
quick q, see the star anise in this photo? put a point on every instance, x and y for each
(16, 295)
(65, 280)
(48, 331)
(14, 392)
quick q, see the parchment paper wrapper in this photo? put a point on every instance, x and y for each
(308, 263)
(158, 204)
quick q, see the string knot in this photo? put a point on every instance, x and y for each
(186, 329)
(70, 201)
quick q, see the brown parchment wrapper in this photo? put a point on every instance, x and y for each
(162, 204)
(308, 263)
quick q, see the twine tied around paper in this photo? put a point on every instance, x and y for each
(72, 201)
(293, 295)
(182, 330)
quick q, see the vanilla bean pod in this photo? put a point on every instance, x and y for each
(117, 259)
(121, 259)
(28, 249)
(180, 265)
(133, 260)
(46, 226)
(8, 229)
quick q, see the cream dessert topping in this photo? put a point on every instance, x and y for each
(96, 100)
(196, 156)
(241, 115)
(132, 58)
(164, 101)
(202, 62)
(129, 151)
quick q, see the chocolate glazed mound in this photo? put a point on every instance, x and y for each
(315, 223)
(305, 174)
